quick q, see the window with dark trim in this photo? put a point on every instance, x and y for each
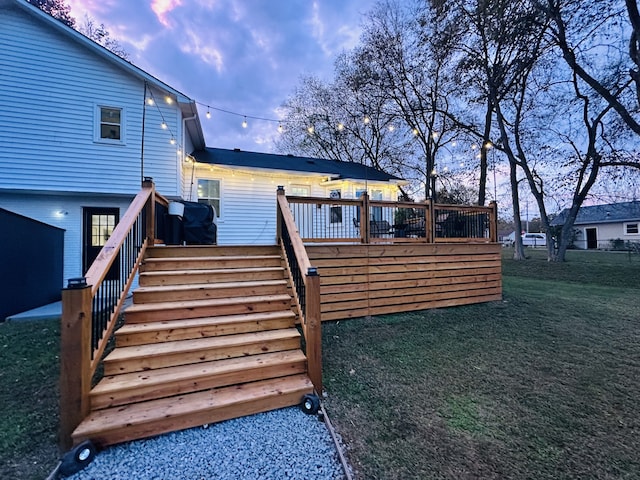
(631, 229)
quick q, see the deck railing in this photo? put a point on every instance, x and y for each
(306, 288)
(91, 305)
(375, 221)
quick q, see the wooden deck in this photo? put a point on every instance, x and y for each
(360, 280)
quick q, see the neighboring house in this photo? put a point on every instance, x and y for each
(605, 226)
(242, 187)
(74, 147)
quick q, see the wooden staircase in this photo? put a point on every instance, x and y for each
(210, 336)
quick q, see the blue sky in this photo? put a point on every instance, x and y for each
(244, 56)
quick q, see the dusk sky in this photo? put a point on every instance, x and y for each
(243, 56)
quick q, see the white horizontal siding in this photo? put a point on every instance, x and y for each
(248, 202)
(49, 88)
(44, 208)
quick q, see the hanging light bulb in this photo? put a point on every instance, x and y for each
(488, 145)
(150, 101)
(280, 129)
(454, 143)
(163, 125)
(168, 99)
(244, 123)
(445, 169)
(415, 131)
(366, 120)
(474, 146)
(340, 126)
(310, 129)
(172, 141)
(208, 113)
(435, 135)
(391, 128)
(434, 172)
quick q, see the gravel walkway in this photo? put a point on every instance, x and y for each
(281, 444)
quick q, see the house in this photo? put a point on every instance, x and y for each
(80, 128)
(605, 226)
(242, 185)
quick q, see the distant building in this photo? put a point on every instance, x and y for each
(605, 226)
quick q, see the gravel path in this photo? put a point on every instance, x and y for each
(281, 444)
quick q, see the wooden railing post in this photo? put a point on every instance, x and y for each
(429, 221)
(75, 358)
(313, 328)
(279, 215)
(365, 221)
(150, 211)
(493, 222)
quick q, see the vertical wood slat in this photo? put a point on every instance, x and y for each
(75, 361)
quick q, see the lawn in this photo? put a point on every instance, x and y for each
(541, 385)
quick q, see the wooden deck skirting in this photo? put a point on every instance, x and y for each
(362, 280)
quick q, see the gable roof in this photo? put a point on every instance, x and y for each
(187, 105)
(608, 213)
(335, 169)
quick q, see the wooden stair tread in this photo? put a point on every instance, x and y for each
(214, 271)
(193, 372)
(202, 322)
(145, 419)
(183, 346)
(210, 258)
(147, 307)
(210, 286)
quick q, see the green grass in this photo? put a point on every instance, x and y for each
(29, 372)
(543, 384)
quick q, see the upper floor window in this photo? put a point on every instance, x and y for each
(110, 124)
(209, 193)
(631, 229)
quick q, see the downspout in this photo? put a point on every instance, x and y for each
(184, 153)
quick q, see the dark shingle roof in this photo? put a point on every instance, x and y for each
(609, 213)
(290, 163)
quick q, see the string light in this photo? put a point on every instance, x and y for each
(340, 126)
(474, 146)
(172, 141)
(391, 128)
(366, 120)
(415, 131)
(310, 129)
(435, 135)
(150, 101)
(163, 125)
(208, 113)
(168, 99)
(244, 123)
(280, 129)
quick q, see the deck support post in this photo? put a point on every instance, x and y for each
(150, 212)
(365, 221)
(493, 222)
(75, 358)
(313, 328)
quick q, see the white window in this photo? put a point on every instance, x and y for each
(209, 193)
(299, 190)
(631, 228)
(109, 124)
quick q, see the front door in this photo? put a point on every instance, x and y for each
(592, 238)
(98, 224)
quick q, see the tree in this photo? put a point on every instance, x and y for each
(99, 34)
(57, 9)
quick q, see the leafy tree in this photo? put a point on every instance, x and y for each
(57, 9)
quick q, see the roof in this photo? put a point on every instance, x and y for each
(289, 163)
(608, 213)
(187, 105)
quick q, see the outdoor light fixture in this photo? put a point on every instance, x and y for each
(366, 120)
(415, 131)
(150, 101)
(172, 141)
(208, 113)
(340, 126)
(244, 123)
(280, 129)
(391, 128)
(168, 99)
(310, 130)
(163, 125)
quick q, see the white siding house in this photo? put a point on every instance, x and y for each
(71, 126)
(246, 184)
(609, 226)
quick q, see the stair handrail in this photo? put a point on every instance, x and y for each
(306, 287)
(91, 306)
